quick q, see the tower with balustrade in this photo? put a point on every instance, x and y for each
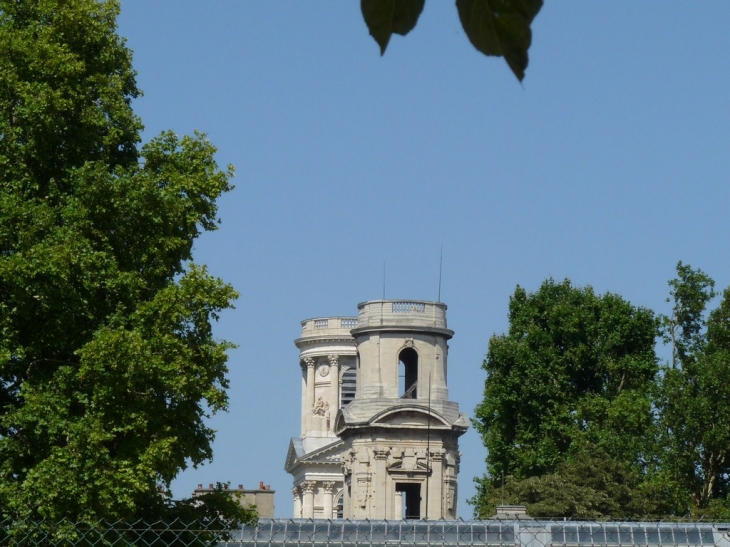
(379, 437)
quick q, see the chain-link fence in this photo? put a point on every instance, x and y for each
(346, 533)
(113, 534)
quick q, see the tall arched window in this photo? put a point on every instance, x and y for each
(348, 384)
(408, 373)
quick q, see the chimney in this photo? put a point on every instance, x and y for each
(261, 485)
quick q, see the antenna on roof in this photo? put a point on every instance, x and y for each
(383, 280)
(441, 263)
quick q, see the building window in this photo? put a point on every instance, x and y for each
(408, 373)
(348, 386)
(340, 507)
(410, 499)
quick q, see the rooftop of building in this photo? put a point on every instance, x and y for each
(520, 532)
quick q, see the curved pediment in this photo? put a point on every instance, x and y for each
(410, 416)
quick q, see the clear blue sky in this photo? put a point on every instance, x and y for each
(608, 166)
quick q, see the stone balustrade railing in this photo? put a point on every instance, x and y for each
(329, 326)
(418, 313)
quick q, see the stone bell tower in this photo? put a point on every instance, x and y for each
(400, 434)
(327, 363)
(379, 437)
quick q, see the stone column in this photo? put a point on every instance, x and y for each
(398, 506)
(382, 505)
(297, 502)
(328, 488)
(309, 362)
(308, 502)
(435, 486)
(334, 387)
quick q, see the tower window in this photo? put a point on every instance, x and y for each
(347, 386)
(408, 373)
(410, 499)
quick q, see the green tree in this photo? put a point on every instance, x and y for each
(575, 370)
(694, 402)
(589, 485)
(108, 366)
(499, 28)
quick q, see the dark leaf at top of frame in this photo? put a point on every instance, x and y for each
(385, 17)
(501, 28)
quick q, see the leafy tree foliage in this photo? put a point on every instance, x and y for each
(589, 485)
(579, 424)
(694, 401)
(108, 365)
(571, 378)
(498, 28)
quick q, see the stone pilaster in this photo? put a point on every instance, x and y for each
(297, 502)
(309, 362)
(334, 386)
(435, 486)
(383, 504)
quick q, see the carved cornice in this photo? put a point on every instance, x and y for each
(343, 340)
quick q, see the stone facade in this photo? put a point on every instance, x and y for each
(262, 497)
(390, 449)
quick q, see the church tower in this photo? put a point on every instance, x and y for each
(327, 361)
(400, 433)
(391, 452)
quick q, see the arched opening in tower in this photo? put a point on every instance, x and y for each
(408, 373)
(348, 384)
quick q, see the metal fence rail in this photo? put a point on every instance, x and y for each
(351, 533)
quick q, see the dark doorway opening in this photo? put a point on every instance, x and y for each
(411, 499)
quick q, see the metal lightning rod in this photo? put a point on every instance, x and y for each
(441, 263)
